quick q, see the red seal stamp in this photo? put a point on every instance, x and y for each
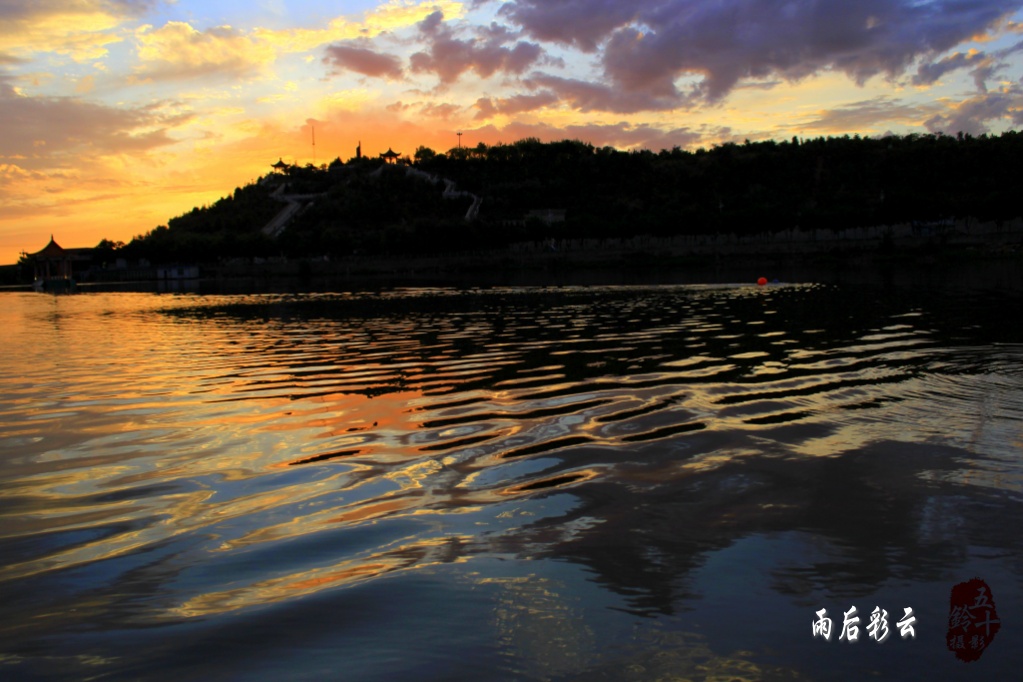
(972, 620)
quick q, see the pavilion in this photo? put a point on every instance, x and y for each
(52, 262)
(390, 156)
(51, 268)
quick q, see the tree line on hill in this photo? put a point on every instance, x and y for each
(368, 207)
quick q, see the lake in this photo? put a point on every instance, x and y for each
(628, 482)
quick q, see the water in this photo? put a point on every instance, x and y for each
(582, 483)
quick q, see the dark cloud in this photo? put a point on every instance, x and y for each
(586, 96)
(583, 23)
(444, 110)
(486, 53)
(51, 132)
(21, 10)
(649, 44)
(620, 135)
(347, 57)
(517, 104)
(976, 114)
(931, 71)
(985, 67)
(864, 115)
(984, 72)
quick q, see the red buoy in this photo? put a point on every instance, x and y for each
(762, 281)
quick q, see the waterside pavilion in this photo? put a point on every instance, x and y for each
(51, 267)
(52, 262)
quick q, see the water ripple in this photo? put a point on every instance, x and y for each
(265, 448)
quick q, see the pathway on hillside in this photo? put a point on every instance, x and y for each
(294, 204)
(451, 190)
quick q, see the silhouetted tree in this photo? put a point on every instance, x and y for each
(607, 193)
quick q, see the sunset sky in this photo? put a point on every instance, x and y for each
(116, 115)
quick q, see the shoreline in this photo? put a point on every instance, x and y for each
(990, 270)
(587, 261)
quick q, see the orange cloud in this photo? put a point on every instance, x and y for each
(391, 16)
(49, 132)
(178, 51)
(81, 30)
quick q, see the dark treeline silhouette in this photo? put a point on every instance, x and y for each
(229, 227)
(367, 207)
(373, 208)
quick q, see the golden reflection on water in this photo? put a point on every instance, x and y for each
(261, 450)
(419, 554)
(689, 656)
(539, 624)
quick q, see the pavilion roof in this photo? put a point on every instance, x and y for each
(390, 154)
(51, 250)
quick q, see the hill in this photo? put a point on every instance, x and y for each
(489, 197)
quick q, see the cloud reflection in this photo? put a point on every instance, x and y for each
(244, 451)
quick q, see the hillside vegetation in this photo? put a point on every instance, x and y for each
(366, 207)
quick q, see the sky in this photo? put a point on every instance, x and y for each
(117, 115)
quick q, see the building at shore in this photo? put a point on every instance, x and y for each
(55, 262)
(55, 268)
